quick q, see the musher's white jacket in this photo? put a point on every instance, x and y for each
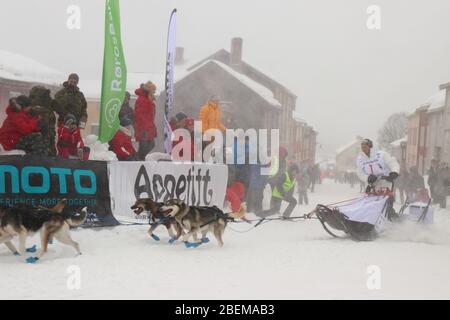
(379, 164)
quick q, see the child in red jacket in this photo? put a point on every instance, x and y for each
(69, 138)
(121, 143)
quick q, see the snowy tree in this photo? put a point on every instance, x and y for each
(394, 128)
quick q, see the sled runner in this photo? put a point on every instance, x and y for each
(362, 219)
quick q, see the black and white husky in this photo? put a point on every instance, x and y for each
(50, 223)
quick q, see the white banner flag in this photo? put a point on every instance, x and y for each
(170, 62)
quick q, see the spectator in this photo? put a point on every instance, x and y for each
(442, 185)
(415, 183)
(43, 106)
(303, 181)
(283, 191)
(188, 124)
(314, 174)
(433, 178)
(20, 129)
(121, 143)
(70, 144)
(235, 194)
(70, 100)
(144, 119)
(126, 111)
(402, 184)
(210, 115)
(255, 194)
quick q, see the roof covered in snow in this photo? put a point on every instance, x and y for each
(20, 68)
(348, 145)
(259, 89)
(436, 101)
(398, 142)
(297, 117)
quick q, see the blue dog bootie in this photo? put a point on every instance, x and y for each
(205, 240)
(17, 254)
(32, 260)
(31, 249)
(172, 240)
(50, 241)
(192, 244)
(155, 237)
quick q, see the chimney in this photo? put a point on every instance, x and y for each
(236, 52)
(179, 55)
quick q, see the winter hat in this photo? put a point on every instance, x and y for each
(148, 86)
(74, 76)
(180, 116)
(125, 121)
(69, 119)
(23, 101)
(368, 142)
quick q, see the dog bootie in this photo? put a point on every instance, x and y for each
(32, 260)
(155, 237)
(31, 249)
(50, 241)
(16, 254)
(172, 240)
(192, 244)
(205, 240)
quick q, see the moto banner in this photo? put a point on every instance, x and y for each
(43, 181)
(199, 184)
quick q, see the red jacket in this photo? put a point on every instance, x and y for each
(144, 117)
(16, 125)
(68, 142)
(235, 194)
(121, 144)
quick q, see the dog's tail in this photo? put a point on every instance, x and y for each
(77, 219)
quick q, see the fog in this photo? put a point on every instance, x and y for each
(348, 78)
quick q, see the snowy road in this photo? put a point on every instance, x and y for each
(278, 260)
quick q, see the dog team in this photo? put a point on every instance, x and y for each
(180, 220)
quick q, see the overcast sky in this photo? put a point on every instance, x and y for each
(348, 78)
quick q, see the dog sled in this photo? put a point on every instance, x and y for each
(417, 208)
(363, 218)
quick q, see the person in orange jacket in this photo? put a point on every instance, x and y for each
(210, 115)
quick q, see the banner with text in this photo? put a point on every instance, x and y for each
(198, 184)
(42, 181)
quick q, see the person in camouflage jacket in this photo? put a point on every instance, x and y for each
(70, 100)
(43, 106)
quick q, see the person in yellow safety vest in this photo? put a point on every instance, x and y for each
(283, 190)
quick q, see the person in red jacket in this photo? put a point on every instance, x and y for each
(121, 143)
(18, 124)
(144, 119)
(235, 194)
(69, 138)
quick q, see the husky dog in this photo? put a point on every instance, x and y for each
(197, 219)
(153, 209)
(51, 223)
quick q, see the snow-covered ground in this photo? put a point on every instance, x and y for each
(277, 260)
